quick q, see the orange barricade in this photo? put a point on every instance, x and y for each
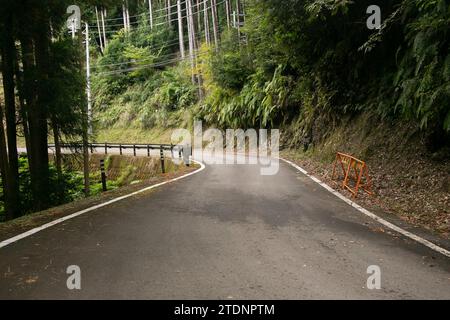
(354, 170)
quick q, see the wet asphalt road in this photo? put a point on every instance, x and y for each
(224, 233)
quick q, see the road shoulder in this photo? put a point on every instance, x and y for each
(26, 223)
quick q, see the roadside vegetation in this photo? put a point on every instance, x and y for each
(121, 171)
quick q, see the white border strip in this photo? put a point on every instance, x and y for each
(405, 233)
(79, 213)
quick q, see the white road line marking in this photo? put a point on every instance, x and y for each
(366, 212)
(79, 213)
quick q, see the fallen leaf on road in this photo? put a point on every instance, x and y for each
(31, 280)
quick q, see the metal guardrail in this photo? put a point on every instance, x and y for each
(124, 146)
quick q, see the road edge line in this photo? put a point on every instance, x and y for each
(79, 213)
(371, 215)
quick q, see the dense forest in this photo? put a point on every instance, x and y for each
(301, 64)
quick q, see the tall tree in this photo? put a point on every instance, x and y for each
(100, 35)
(4, 166)
(39, 114)
(215, 23)
(8, 54)
(180, 29)
(150, 12)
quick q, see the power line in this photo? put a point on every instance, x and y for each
(197, 54)
(199, 37)
(135, 22)
(145, 13)
(133, 61)
(152, 65)
(166, 44)
(165, 22)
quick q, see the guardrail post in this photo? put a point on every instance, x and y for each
(161, 152)
(92, 148)
(120, 149)
(102, 169)
(148, 150)
(134, 150)
(106, 148)
(171, 150)
(187, 152)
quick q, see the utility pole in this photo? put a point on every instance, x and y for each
(86, 118)
(180, 29)
(88, 80)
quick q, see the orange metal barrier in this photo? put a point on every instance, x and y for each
(354, 170)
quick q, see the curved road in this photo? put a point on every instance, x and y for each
(224, 233)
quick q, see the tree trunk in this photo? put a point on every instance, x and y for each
(23, 108)
(169, 13)
(29, 90)
(180, 29)
(238, 19)
(227, 12)
(206, 21)
(8, 51)
(215, 22)
(199, 18)
(38, 114)
(191, 31)
(99, 30)
(56, 137)
(105, 41)
(150, 12)
(124, 14)
(4, 166)
(127, 8)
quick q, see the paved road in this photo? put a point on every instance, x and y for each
(225, 233)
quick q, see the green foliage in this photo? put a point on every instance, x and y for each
(150, 103)
(229, 67)
(134, 84)
(424, 73)
(67, 95)
(318, 65)
(339, 67)
(68, 189)
(257, 105)
(131, 58)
